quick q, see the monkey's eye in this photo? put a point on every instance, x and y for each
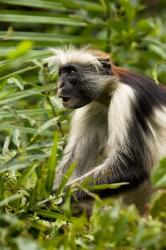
(106, 65)
(71, 71)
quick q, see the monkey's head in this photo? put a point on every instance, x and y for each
(83, 75)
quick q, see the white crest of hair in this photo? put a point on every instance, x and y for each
(62, 56)
(120, 116)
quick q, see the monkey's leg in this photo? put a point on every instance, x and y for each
(117, 170)
(140, 196)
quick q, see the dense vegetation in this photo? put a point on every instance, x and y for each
(34, 124)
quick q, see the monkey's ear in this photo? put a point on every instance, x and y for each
(107, 67)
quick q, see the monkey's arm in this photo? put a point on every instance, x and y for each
(86, 139)
(123, 168)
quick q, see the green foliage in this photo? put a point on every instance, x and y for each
(34, 125)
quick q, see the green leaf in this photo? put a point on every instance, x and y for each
(17, 81)
(35, 3)
(25, 130)
(6, 144)
(154, 74)
(146, 25)
(21, 49)
(51, 214)
(23, 94)
(30, 17)
(158, 51)
(159, 175)
(158, 204)
(48, 124)
(26, 173)
(24, 112)
(66, 177)
(10, 199)
(107, 186)
(52, 163)
(26, 244)
(16, 137)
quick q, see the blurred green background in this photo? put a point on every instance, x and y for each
(34, 125)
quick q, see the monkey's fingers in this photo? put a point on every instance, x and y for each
(90, 175)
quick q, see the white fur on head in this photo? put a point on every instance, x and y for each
(71, 55)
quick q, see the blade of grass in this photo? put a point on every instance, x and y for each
(107, 186)
(88, 5)
(25, 130)
(66, 177)
(27, 93)
(58, 5)
(36, 3)
(9, 199)
(51, 214)
(47, 37)
(30, 18)
(27, 172)
(52, 164)
(30, 112)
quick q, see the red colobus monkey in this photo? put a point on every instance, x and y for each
(118, 131)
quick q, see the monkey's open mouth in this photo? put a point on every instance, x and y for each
(66, 99)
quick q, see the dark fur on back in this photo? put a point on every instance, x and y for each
(137, 161)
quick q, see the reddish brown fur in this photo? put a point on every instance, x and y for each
(119, 72)
(100, 54)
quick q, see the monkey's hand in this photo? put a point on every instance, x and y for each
(92, 176)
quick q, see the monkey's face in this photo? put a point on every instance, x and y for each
(84, 75)
(76, 85)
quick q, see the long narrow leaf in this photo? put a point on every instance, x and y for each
(66, 177)
(47, 37)
(9, 199)
(26, 93)
(30, 112)
(52, 164)
(35, 3)
(27, 18)
(58, 5)
(25, 130)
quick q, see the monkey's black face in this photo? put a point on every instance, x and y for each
(76, 87)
